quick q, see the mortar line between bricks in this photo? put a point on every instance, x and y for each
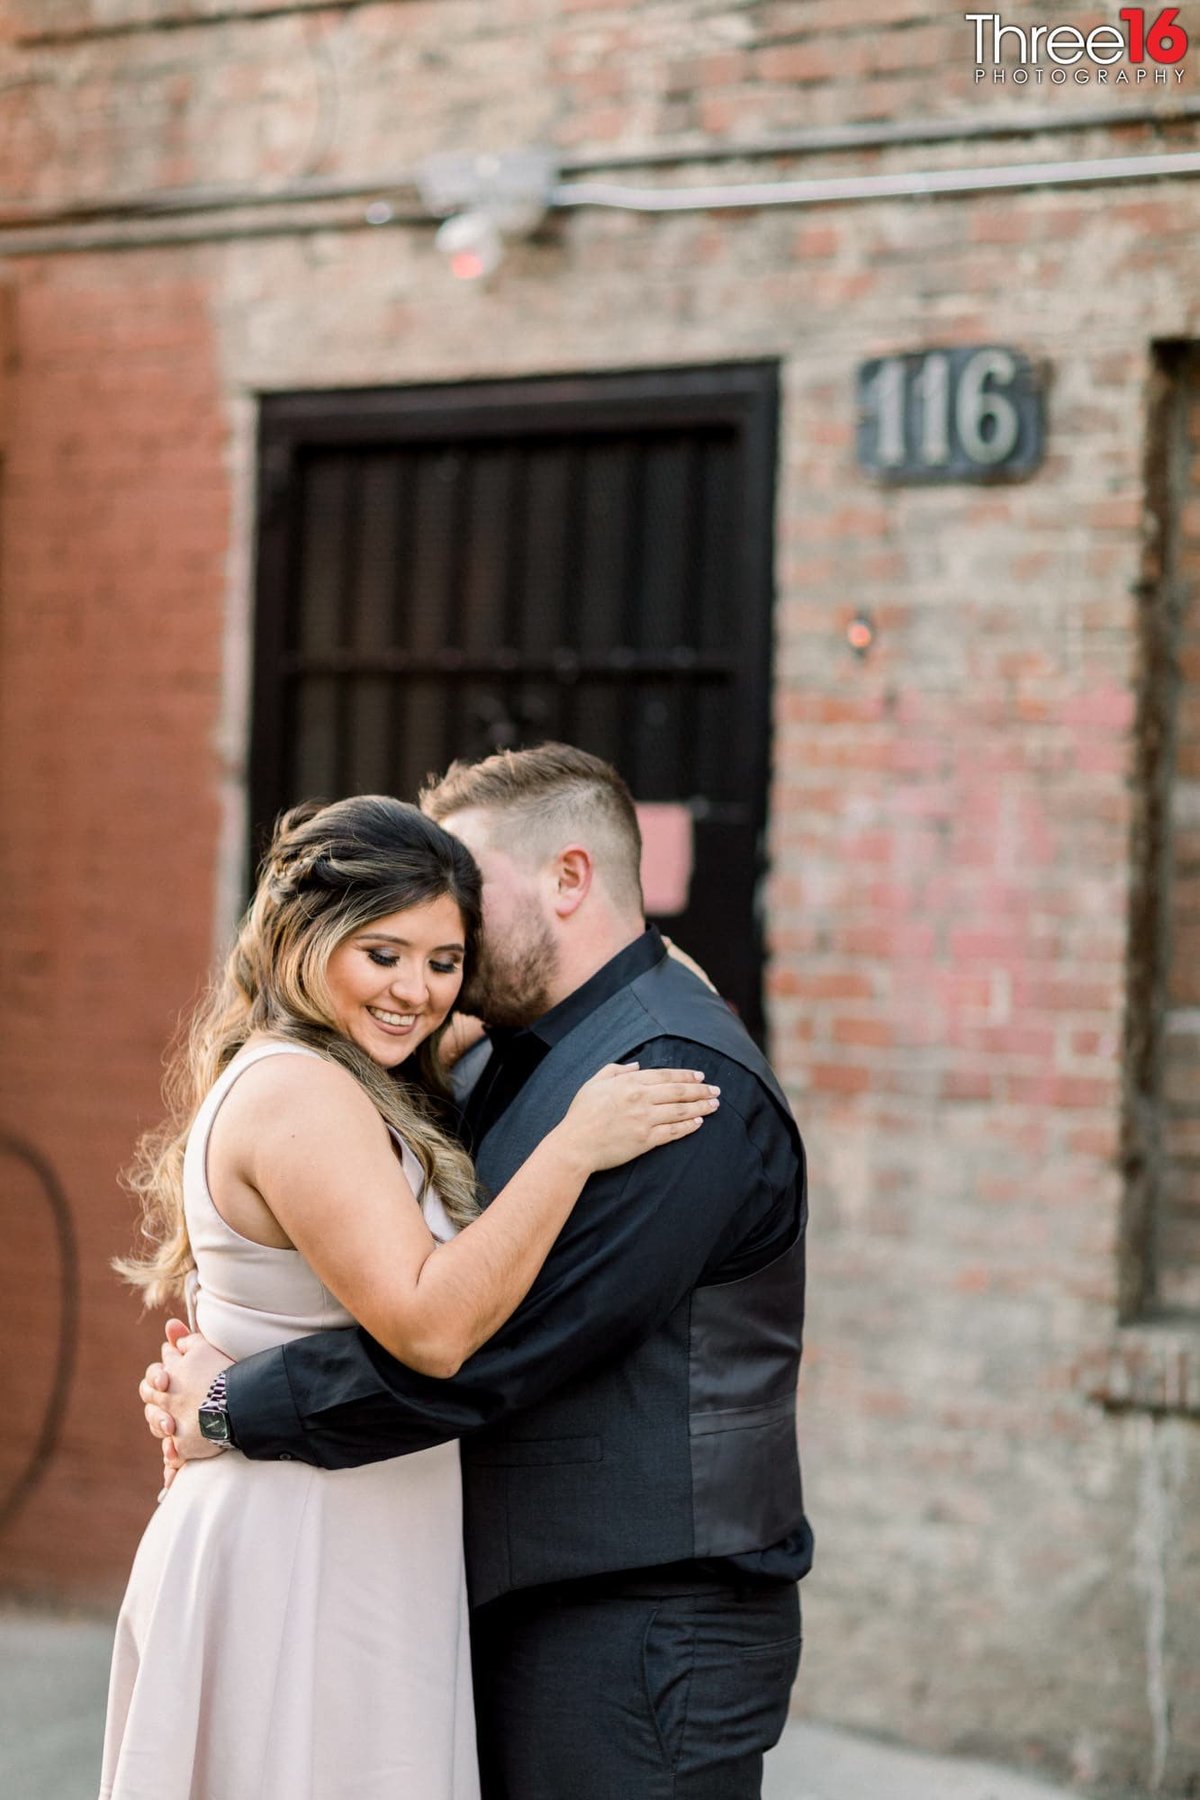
(172, 22)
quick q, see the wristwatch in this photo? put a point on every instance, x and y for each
(215, 1423)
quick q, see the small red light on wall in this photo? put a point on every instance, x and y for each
(472, 244)
(860, 633)
(468, 265)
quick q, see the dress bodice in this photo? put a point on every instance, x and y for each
(245, 1296)
(291, 1632)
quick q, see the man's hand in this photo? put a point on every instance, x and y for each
(172, 1392)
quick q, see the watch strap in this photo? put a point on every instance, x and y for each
(215, 1422)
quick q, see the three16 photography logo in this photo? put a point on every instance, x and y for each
(1146, 46)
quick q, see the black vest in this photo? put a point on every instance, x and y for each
(685, 1445)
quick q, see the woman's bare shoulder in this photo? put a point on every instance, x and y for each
(279, 1092)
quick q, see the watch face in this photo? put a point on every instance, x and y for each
(214, 1425)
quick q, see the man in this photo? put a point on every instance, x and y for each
(633, 1515)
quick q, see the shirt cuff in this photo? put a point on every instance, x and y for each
(262, 1410)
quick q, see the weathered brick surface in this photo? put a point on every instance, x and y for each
(1007, 1537)
(112, 566)
(335, 89)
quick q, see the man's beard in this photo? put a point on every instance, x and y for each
(513, 983)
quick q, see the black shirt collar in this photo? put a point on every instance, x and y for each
(617, 973)
(517, 1050)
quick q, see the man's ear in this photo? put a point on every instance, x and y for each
(572, 875)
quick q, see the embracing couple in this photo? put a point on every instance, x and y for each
(539, 1346)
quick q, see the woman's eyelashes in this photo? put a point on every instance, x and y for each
(387, 961)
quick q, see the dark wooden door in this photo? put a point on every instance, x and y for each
(448, 570)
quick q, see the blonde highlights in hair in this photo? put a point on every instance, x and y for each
(330, 871)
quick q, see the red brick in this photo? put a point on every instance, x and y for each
(964, 1084)
(877, 1033)
(797, 62)
(839, 1078)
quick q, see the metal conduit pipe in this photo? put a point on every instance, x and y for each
(842, 189)
(158, 203)
(164, 203)
(22, 239)
(887, 135)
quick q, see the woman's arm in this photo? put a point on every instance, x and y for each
(307, 1138)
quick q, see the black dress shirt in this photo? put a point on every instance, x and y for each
(337, 1399)
(764, 1228)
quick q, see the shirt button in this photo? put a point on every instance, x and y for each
(286, 1456)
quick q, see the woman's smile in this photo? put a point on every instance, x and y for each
(401, 1023)
(392, 983)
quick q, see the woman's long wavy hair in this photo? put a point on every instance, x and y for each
(330, 871)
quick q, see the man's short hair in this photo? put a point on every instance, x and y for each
(548, 797)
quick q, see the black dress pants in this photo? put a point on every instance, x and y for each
(632, 1688)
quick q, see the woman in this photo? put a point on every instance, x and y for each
(293, 1633)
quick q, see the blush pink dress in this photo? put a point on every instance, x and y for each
(291, 1633)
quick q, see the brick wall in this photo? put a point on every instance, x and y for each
(107, 107)
(1001, 1487)
(115, 528)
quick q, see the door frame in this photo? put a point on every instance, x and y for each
(744, 395)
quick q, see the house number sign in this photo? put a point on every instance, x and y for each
(973, 413)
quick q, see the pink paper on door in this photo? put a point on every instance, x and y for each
(667, 857)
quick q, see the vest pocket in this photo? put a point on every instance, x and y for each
(742, 1418)
(745, 1477)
